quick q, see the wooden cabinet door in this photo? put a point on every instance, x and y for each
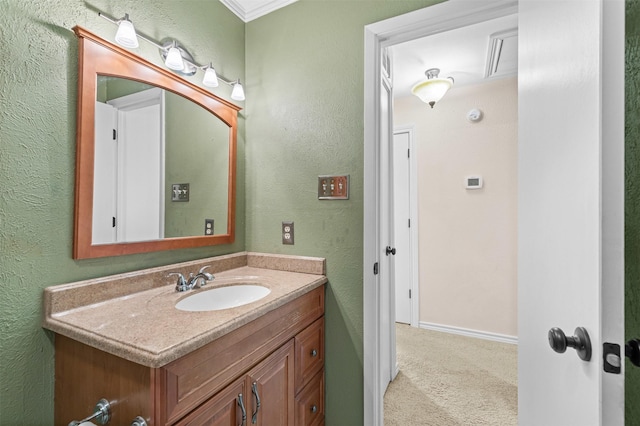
(271, 389)
(226, 408)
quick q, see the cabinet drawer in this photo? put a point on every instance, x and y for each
(194, 378)
(310, 402)
(223, 409)
(309, 352)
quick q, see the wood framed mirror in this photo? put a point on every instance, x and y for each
(155, 159)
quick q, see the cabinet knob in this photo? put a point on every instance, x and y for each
(139, 421)
(314, 409)
(314, 353)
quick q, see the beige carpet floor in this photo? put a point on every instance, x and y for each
(449, 380)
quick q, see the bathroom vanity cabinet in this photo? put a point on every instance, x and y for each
(269, 371)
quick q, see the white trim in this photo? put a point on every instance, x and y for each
(421, 23)
(612, 202)
(485, 335)
(248, 11)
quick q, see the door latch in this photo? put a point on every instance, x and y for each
(390, 250)
(611, 357)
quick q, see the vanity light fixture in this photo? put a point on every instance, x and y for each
(238, 91)
(433, 88)
(175, 57)
(126, 34)
(210, 78)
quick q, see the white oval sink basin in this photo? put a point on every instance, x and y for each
(223, 298)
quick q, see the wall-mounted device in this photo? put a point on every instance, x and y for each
(180, 192)
(208, 227)
(333, 187)
(474, 115)
(287, 233)
(473, 182)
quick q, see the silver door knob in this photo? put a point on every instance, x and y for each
(580, 342)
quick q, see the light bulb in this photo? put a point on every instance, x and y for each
(126, 34)
(210, 77)
(237, 94)
(174, 59)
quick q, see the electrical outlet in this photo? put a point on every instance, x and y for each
(287, 233)
(208, 227)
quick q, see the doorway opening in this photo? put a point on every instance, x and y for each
(379, 326)
(581, 150)
(466, 232)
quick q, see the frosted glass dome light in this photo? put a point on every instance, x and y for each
(433, 88)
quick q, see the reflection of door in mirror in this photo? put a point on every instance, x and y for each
(160, 139)
(129, 165)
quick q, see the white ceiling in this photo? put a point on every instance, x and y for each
(466, 54)
(462, 54)
(248, 10)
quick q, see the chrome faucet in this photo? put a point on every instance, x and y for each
(184, 285)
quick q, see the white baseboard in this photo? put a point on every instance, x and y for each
(503, 338)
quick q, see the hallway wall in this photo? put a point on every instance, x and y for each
(467, 238)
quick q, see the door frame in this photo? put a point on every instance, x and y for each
(454, 14)
(378, 36)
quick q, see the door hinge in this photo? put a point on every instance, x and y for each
(409, 222)
(409, 293)
(375, 268)
(408, 153)
(113, 222)
(115, 134)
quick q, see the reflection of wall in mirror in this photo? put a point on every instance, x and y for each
(197, 152)
(197, 145)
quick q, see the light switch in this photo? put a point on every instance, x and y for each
(333, 187)
(180, 192)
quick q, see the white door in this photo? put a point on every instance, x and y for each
(401, 226)
(141, 161)
(571, 182)
(104, 175)
(140, 194)
(570, 208)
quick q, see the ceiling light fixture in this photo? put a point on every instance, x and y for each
(433, 88)
(175, 57)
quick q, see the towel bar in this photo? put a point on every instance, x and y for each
(101, 413)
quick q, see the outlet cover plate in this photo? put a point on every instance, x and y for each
(287, 233)
(208, 227)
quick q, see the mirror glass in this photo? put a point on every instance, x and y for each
(155, 160)
(165, 174)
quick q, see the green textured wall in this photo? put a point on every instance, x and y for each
(205, 169)
(305, 103)
(632, 204)
(38, 79)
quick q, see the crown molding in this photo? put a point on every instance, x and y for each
(248, 10)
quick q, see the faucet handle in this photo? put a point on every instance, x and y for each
(208, 276)
(181, 285)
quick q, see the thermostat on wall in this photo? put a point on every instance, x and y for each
(473, 182)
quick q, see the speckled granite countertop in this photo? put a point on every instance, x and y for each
(133, 315)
